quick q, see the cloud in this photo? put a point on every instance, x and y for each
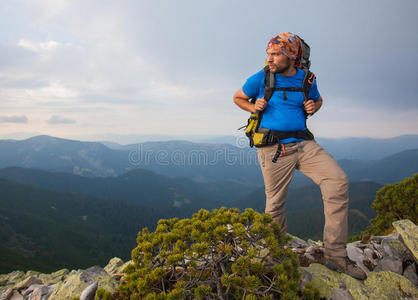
(39, 46)
(13, 119)
(176, 65)
(55, 119)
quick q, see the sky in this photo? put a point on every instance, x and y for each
(94, 69)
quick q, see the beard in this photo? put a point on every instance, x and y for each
(282, 68)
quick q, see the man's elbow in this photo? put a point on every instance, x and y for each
(236, 98)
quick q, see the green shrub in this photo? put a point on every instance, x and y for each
(102, 294)
(393, 202)
(219, 254)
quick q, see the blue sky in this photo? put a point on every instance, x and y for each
(90, 68)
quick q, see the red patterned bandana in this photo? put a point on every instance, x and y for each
(289, 44)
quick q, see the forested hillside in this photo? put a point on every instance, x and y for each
(47, 230)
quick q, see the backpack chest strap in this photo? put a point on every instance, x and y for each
(289, 89)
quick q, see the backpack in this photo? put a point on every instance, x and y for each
(260, 137)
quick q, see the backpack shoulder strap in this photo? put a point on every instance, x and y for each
(270, 83)
(308, 80)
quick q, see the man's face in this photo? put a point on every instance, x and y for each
(277, 61)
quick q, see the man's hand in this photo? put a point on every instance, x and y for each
(310, 107)
(260, 104)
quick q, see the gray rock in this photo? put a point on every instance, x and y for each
(370, 261)
(356, 255)
(73, 285)
(113, 266)
(51, 289)
(296, 242)
(16, 296)
(309, 256)
(28, 282)
(378, 249)
(377, 238)
(389, 264)
(339, 294)
(7, 294)
(410, 272)
(359, 244)
(409, 235)
(306, 278)
(369, 253)
(89, 292)
(38, 293)
(298, 250)
(395, 248)
(31, 289)
(311, 249)
(55, 277)
(316, 243)
(89, 274)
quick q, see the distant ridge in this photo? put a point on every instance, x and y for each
(365, 148)
(201, 162)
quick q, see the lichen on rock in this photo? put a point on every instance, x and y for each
(409, 234)
(77, 281)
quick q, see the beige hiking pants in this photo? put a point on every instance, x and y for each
(317, 164)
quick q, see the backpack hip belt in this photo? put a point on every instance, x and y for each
(273, 137)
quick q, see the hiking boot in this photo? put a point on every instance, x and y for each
(345, 265)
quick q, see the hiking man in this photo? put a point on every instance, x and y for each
(285, 112)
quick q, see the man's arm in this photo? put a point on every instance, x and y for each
(312, 107)
(243, 102)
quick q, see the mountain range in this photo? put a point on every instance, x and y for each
(199, 162)
(362, 148)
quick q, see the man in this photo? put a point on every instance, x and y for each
(284, 112)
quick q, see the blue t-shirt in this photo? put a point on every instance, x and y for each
(281, 114)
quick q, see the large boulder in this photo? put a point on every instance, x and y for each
(378, 285)
(387, 285)
(394, 247)
(89, 292)
(326, 280)
(27, 282)
(54, 277)
(77, 281)
(389, 264)
(114, 266)
(410, 272)
(409, 234)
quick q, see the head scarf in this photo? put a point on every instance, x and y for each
(289, 44)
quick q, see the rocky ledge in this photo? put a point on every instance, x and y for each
(63, 284)
(389, 261)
